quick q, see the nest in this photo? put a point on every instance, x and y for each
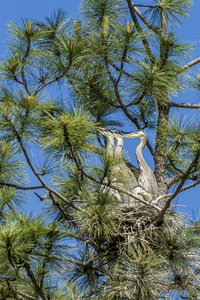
(137, 226)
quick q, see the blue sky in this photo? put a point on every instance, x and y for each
(14, 10)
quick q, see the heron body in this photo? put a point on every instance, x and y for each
(110, 152)
(127, 175)
(128, 180)
(146, 178)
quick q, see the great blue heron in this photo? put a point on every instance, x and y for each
(140, 193)
(110, 152)
(146, 178)
(128, 178)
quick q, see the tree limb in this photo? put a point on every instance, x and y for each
(143, 18)
(27, 297)
(184, 105)
(190, 186)
(137, 99)
(140, 31)
(172, 180)
(30, 274)
(45, 185)
(19, 187)
(144, 5)
(190, 64)
(179, 187)
(130, 116)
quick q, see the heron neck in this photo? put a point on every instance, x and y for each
(138, 152)
(110, 146)
(119, 146)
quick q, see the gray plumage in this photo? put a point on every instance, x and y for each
(146, 178)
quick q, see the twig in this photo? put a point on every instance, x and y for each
(43, 197)
(19, 187)
(184, 105)
(140, 31)
(144, 5)
(137, 99)
(27, 297)
(178, 189)
(143, 18)
(30, 274)
(23, 62)
(190, 64)
(190, 186)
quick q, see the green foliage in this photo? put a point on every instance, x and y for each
(174, 10)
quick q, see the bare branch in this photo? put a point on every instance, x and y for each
(25, 296)
(30, 274)
(190, 186)
(172, 180)
(143, 18)
(139, 29)
(42, 197)
(19, 187)
(184, 105)
(190, 64)
(144, 5)
(137, 99)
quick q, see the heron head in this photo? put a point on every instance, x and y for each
(135, 134)
(116, 133)
(105, 131)
(141, 191)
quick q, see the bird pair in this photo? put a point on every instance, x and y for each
(147, 184)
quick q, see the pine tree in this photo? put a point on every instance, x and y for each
(120, 66)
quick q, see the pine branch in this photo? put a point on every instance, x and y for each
(122, 71)
(123, 58)
(19, 187)
(23, 63)
(45, 185)
(143, 18)
(46, 257)
(140, 31)
(177, 169)
(172, 180)
(137, 99)
(123, 106)
(38, 288)
(53, 80)
(179, 187)
(184, 105)
(190, 186)
(26, 297)
(145, 5)
(62, 210)
(190, 64)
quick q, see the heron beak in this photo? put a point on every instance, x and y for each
(150, 194)
(99, 129)
(126, 135)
